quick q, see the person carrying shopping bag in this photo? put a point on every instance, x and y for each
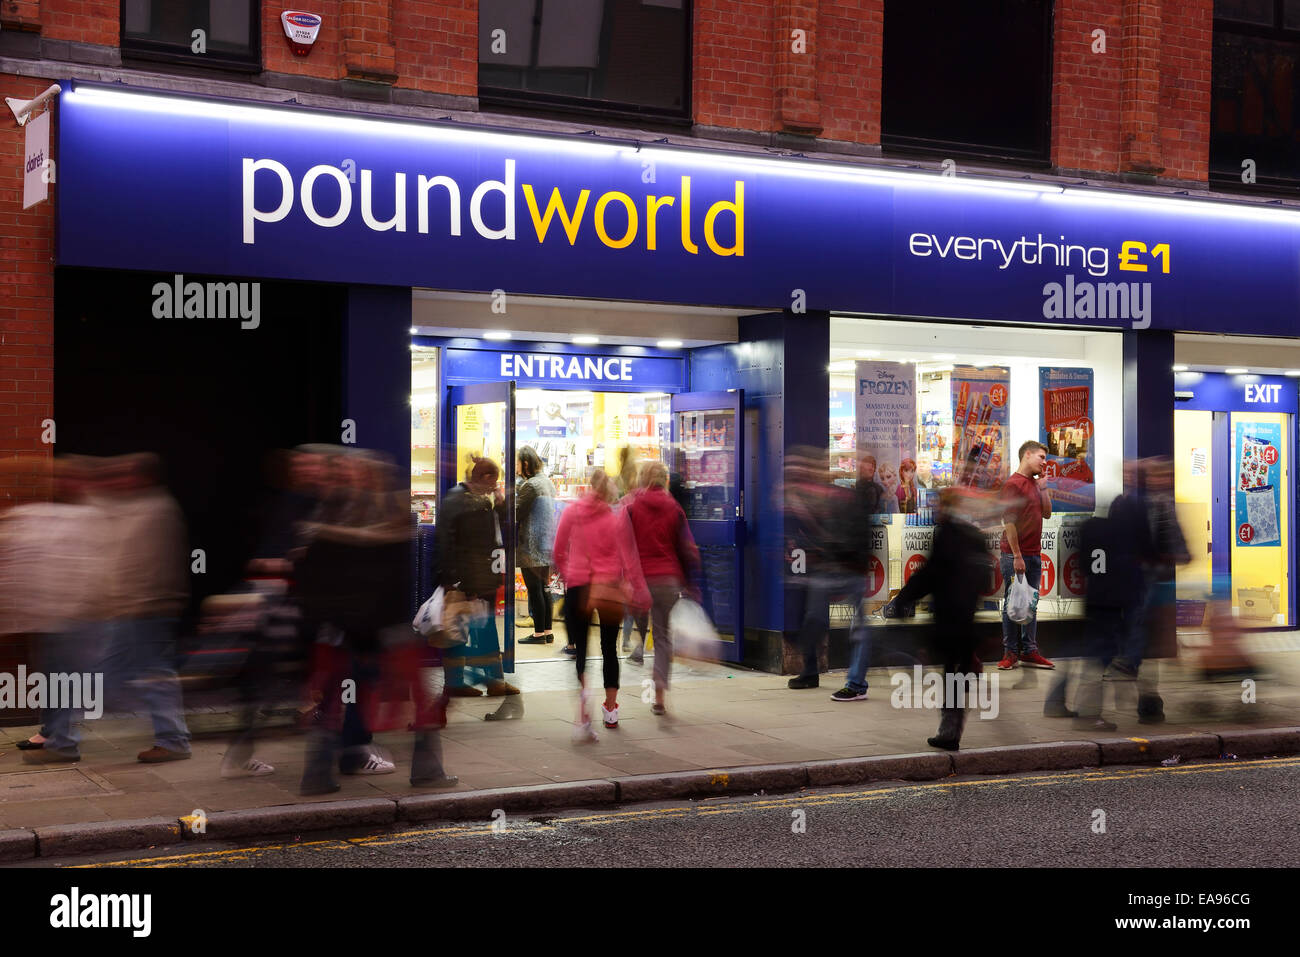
(669, 561)
(595, 554)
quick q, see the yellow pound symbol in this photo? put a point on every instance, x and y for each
(1128, 254)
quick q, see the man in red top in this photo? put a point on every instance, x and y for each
(1024, 506)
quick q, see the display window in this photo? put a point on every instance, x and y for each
(424, 433)
(917, 407)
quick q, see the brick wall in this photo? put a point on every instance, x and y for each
(437, 46)
(734, 64)
(82, 21)
(26, 302)
(850, 35)
(1185, 54)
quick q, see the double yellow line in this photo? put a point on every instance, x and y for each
(704, 809)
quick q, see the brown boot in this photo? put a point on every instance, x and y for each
(496, 689)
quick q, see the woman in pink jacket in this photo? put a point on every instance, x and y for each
(596, 556)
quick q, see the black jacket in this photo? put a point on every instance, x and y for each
(957, 574)
(467, 539)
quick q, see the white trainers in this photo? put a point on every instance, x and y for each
(584, 733)
(610, 716)
(375, 763)
(253, 767)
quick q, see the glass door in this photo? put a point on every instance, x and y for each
(708, 457)
(479, 420)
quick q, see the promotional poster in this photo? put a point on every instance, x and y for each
(885, 417)
(980, 411)
(1258, 480)
(1066, 429)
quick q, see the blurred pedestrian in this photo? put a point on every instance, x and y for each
(1025, 504)
(535, 527)
(595, 553)
(957, 573)
(670, 562)
(52, 571)
(148, 587)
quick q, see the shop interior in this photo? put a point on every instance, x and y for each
(572, 430)
(930, 354)
(1246, 473)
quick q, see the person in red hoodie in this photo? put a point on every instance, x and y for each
(596, 556)
(669, 561)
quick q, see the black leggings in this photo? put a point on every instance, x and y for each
(539, 599)
(578, 622)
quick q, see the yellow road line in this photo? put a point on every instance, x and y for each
(444, 832)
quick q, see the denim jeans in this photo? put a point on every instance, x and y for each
(816, 622)
(70, 652)
(1020, 639)
(141, 653)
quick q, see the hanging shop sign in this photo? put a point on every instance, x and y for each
(171, 184)
(1066, 428)
(1259, 471)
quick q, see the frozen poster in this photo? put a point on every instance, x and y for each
(979, 425)
(884, 413)
(1257, 482)
(1067, 431)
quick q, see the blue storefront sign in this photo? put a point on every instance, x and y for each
(565, 369)
(191, 186)
(1214, 392)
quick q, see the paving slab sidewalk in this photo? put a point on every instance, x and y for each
(722, 719)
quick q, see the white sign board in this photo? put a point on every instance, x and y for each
(36, 159)
(878, 572)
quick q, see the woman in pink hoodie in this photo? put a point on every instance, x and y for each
(596, 556)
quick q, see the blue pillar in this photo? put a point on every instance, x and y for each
(377, 371)
(1148, 394)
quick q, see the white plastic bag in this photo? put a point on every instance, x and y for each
(1020, 600)
(691, 629)
(429, 618)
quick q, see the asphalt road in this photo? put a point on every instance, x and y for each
(1211, 814)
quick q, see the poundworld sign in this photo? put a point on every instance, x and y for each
(242, 191)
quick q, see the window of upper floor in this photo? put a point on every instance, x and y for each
(219, 33)
(619, 57)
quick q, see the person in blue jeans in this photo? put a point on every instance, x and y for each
(1025, 503)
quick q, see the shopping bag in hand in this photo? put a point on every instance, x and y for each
(1020, 600)
(691, 630)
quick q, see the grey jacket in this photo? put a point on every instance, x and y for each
(534, 522)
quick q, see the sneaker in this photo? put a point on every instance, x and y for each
(537, 640)
(637, 657)
(610, 716)
(1035, 660)
(524, 622)
(584, 733)
(44, 755)
(440, 781)
(947, 744)
(157, 755)
(848, 694)
(1094, 724)
(803, 681)
(375, 763)
(1009, 661)
(658, 709)
(253, 768)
